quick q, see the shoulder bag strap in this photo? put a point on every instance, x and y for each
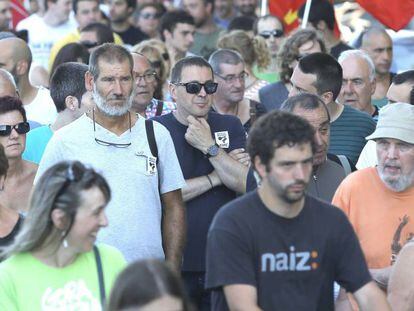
(252, 112)
(149, 127)
(100, 275)
(345, 164)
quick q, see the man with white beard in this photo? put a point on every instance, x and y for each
(378, 200)
(146, 213)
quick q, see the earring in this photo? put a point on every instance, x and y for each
(64, 242)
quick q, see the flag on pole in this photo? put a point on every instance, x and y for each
(18, 12)
(287, 11)
(394, 14)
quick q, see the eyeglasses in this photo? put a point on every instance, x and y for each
(89, 44)
(148, 77)
(195, 87)
(150, 15)
(276, 33)
(107, 143)
(232, 78)
(21, 128)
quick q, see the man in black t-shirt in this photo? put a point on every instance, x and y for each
(277, 248)
(209, 147)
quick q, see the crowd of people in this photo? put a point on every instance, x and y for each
(196, 156)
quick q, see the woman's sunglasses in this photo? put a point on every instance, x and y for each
(21, 128)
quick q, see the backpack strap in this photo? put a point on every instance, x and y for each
(149, 128)
(253, 111)
(345, 164)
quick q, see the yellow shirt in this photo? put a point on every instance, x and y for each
(72, 38)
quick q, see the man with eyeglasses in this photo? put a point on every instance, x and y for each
(143, 101)
(146, 213)
(13, 129)
(202, 140)
(230, 74)
(94, 35)
(271, 29)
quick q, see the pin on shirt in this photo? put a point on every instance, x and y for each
(222, 139)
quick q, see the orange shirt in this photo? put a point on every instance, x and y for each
(383, 219)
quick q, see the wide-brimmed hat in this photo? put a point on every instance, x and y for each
(395, 121)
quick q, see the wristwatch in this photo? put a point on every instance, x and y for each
(212, 151)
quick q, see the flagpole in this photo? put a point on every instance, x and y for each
(306, 13)
(263, 8)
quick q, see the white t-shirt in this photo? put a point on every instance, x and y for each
(42, 109)
(368, 156)
(42, 36)
(134, 212)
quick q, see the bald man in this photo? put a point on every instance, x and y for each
(378, 44)
(15, 57)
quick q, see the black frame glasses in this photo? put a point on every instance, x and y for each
(232, 78)
(276, 33)
(89, 44)
(21, 128)
(107, 143)
(194, 87)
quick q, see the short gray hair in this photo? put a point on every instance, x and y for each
(362, 55)
(224, 56)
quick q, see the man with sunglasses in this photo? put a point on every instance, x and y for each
(13, 129)
(146, 211)
(94, 35)
(202, 140)
(271, 29)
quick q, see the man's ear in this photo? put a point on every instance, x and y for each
(89, 82)
(71, 103)
(59, 219)
(321, 26)
(373, 85)
(259, 167)
(167, 34)
(22, 67)
(173, 91)
(327, 97)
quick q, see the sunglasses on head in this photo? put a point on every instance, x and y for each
(21, 128)
(277, 33)
(195, 87)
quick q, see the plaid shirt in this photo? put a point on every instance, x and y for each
(166, 108)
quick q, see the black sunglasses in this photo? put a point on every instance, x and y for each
(195, 87)
(277, 33)
(21, 128)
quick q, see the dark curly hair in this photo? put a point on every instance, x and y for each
(289, 50)
(277, 129)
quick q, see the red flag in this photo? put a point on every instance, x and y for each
(287, 11)
(394, 14)
(18, 12)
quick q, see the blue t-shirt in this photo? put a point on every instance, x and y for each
(201, 210)
(36, 142)
(348, 133)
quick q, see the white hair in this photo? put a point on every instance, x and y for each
(362, 55)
